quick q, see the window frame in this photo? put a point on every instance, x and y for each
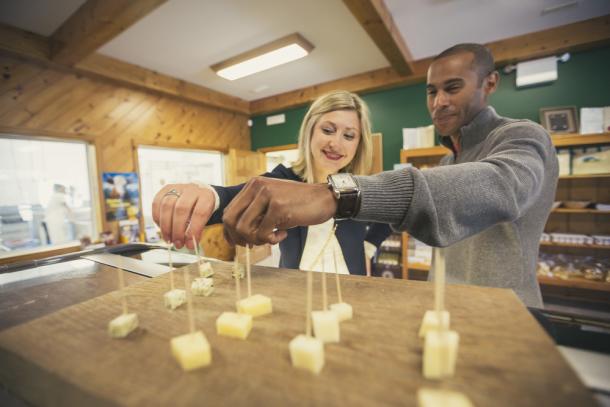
(93, 169)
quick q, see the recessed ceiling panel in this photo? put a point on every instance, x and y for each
(182, 38)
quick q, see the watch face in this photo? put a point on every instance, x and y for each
(344, 181)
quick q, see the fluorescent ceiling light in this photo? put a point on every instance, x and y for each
(284, 50)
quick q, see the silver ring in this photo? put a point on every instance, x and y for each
(172, 192)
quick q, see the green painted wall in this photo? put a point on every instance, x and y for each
(584, 81)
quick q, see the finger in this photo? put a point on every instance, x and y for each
(270, 221)
(238, 204)
(232, 238)
(227, 236)
(234, 210)
(248, 224)
(182, 214)
(156, 205)
(199, 218)
(166, 216)
(277, 236)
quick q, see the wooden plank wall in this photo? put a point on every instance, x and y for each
(45, 101)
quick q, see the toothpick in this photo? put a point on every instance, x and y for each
(122, 290)
(324, 291)
(197, 251)
(439, 285)
(309, 300)
(248, 270)
(171, 267)
(337, 276)
(189, 301)
(236, 276)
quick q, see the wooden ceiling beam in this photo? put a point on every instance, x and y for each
(94, 24)
(36, 48)
(377, 21)
(579, 36)
(24, 43)
(573, 37)
(124, 72)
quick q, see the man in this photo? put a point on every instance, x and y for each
(486, 205)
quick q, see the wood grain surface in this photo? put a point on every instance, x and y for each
(505, 358)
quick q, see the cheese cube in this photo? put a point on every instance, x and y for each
(205, 269)
(440, 397)
(343, 311)
(202, 286)
(325, 325)
(255, 305)
(440, 354)
(122, 325)
(234, 325)
(241, 270)
(307, 352)
(430, 322)
(174, 298)
(192, 350)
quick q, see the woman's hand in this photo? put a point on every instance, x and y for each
(182, 211)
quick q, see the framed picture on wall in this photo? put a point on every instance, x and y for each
(559, 119)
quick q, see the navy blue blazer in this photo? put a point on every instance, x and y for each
(351, 234)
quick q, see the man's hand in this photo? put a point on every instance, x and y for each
(181, 211)
(266, 207)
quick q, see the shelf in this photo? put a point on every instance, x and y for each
(567, 140)
(582, 211)
(559, 140)
(423, 152)
(389, 249)
(418, 266)
(584, 176)
(574, 245)
(575, 283)
(572, 283)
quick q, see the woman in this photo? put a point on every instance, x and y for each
(335, 136)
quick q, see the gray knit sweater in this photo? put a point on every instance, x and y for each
(487, 208)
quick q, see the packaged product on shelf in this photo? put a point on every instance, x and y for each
(571, 238)
(567, 267)
(564, 156)
(419, 252)
(602, 240)
(591, 160)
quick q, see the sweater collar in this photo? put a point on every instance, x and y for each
(476, 131)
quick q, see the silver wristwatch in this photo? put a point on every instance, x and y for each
(347, 192)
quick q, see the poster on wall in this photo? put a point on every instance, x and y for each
(121, 195)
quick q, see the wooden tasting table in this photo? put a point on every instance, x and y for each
(504, 359)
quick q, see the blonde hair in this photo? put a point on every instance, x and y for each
(336, 100)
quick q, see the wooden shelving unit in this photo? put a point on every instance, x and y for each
(581, 211)
(575, 283)
(594, 187)
(550, 281)
(419, 266)
(569, 140)
(583, 176)
(575, 246)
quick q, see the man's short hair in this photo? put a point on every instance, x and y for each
(483, 61)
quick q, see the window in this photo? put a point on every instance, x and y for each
(47, 193)
(160, 166)
(286, 157)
